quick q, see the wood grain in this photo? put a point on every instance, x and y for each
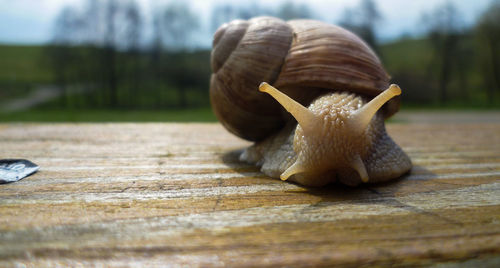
(175, 194)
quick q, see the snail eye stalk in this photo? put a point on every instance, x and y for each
(360, 118)
(306, 119)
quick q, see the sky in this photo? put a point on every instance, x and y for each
(31, 21)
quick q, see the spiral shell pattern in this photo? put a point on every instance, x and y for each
(304, 58)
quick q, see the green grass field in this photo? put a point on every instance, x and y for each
(23, 64)
(21, 67)
(413, 54)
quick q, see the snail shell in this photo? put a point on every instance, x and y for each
(340, 136)
(303, 58)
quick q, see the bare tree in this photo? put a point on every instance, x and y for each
(289, 10)
(132, 35)
(362, 20)
(109, 55)
(175, 27)
(488, 31)
(68, 26)
(157, 42)
(444, 34)
(178, 24)
(221, 14)
(59, 53)
(100, 34)
(253, 9)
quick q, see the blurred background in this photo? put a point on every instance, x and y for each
(148, 60)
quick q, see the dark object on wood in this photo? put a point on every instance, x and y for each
(12, 170)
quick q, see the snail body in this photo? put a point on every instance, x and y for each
(331, 83)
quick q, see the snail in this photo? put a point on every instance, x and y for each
(322, 119)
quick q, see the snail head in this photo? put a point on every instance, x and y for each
(331, 122)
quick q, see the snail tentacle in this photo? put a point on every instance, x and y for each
(296, 168)
(359, 166)
(360, 118)
(306, 119)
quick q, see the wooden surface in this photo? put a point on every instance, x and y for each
(158, 194)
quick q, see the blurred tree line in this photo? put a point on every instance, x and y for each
(100, 59)
(451, 64)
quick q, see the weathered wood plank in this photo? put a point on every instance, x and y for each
(155, 194)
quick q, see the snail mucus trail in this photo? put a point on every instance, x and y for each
(339, 136)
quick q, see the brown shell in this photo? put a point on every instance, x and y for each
(303, 58)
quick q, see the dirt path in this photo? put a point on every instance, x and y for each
(40, 95)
